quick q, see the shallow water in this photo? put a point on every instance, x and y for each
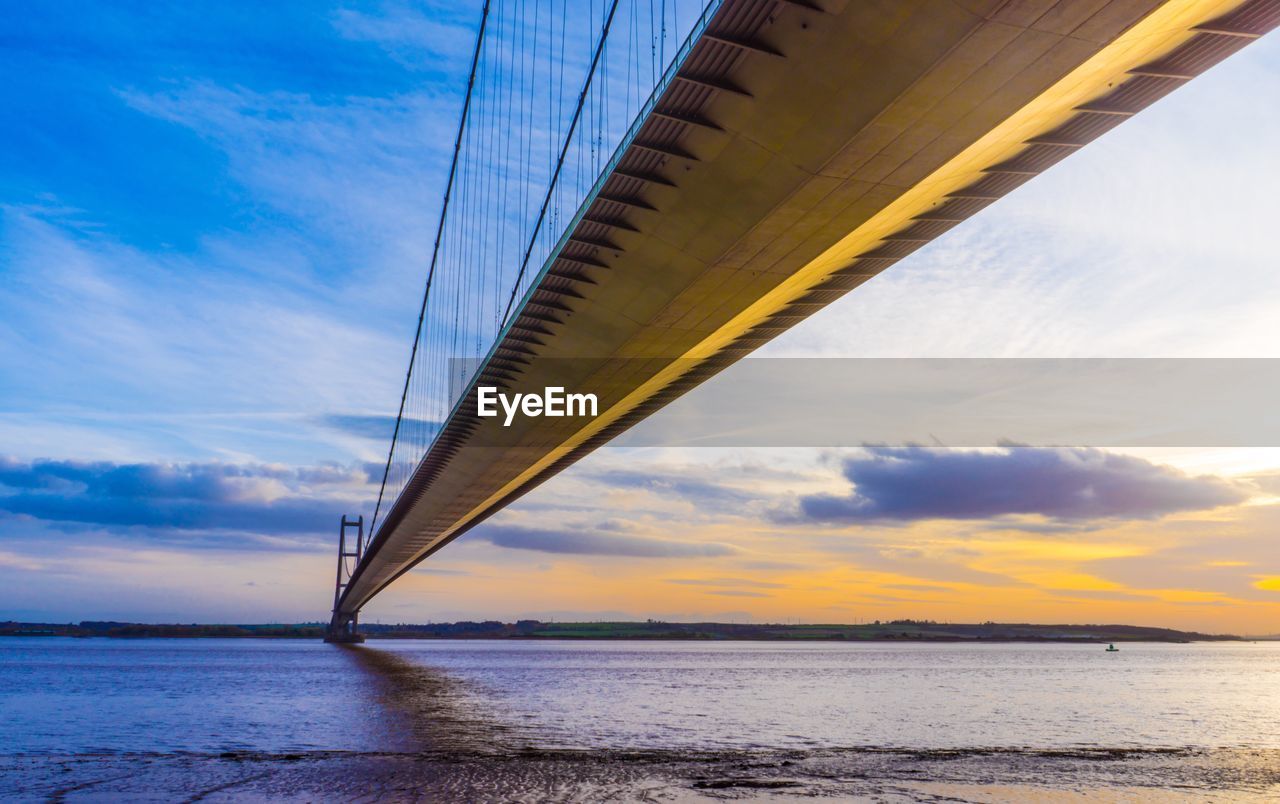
(98, 695)
(662, 720)
(768, 694)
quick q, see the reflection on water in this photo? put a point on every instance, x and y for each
(517, 721)
(830, 695)
(97, 695)
(423, 708)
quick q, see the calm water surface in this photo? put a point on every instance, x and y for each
(69, 696)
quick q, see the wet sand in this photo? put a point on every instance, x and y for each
(571, 776)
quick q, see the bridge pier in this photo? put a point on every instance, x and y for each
(344, 633)
(343, 627)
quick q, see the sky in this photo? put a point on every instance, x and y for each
(214, 226)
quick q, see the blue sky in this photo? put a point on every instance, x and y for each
(216, 214)
(214, 222)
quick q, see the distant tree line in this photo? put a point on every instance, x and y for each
(928, 630)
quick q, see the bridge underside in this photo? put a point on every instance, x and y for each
(795, 153)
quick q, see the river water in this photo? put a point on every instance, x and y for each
(509, 720)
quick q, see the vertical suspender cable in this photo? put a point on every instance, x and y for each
(435, 250)
(564, 149)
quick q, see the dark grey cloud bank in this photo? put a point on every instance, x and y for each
(1062, 484)
(259, 498)
(588, 543)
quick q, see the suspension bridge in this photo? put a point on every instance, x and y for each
(644, 191)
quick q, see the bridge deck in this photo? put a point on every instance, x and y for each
(792, 154)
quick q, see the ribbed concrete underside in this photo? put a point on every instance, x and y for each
(798, 152)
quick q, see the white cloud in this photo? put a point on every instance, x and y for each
(1154, 241)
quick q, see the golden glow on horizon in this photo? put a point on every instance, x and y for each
(926, 570)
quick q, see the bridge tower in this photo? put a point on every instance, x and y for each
(343, 629)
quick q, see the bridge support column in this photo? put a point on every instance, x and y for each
(343, 627)
(344, 633)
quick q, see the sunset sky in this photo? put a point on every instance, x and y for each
(212, 240)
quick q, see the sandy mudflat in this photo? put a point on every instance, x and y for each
(862, 774)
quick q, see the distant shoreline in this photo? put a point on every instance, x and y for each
(897, 631)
